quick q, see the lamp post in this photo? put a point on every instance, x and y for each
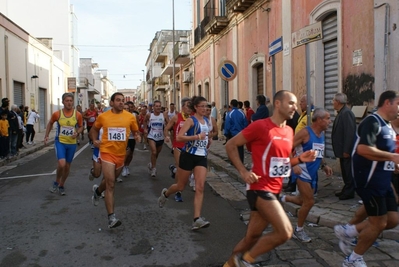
(173, 53)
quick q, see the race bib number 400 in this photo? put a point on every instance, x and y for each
(67, 130)
(116, 134)
(279, 167)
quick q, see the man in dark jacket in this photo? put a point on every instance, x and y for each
(342, 136)
(262, 112)
(235, 123)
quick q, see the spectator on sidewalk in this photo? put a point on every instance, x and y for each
(248, 111)
(30, 126)
(262, 111)
(306, 174)
(14, 129)
(4, 142)
(235, 123)
(21, 130)
(342, 135)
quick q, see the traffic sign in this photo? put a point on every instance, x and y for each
(276, 46)
(227, 70)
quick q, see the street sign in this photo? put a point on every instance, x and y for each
(276, 46)
(227, 70)
(310, 33)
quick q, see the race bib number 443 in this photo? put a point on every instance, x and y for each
(116, 134)
(279, 167)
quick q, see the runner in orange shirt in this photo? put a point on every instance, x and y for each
(117, 124)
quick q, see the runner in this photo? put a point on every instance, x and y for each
(305, 175)
(117, 124)
(373, 161)
(192, 158)
(69, 126)
(154, 124)
(176, 123)
(129, 107)
(90, 116)
(271, 142)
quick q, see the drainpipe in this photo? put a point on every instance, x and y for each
(386, 43)
(7, 67)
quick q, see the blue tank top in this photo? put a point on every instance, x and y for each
(197, 147)
(375, 175)
(309, 169)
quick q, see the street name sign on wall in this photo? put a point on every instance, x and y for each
(276, 46)
(310, 33)
(227, 70)
(71, 84)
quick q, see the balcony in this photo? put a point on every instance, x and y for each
(217, 24)
(181, 53)
(161, 83)
(239, 5)
(168, 70)
(83, 83)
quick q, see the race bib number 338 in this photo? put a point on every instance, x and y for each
(279, 167)
(116, 134)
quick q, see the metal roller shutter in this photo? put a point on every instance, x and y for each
(18, 94)
(330, 43)
(42, 108)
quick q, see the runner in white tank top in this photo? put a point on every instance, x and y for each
(154, 124)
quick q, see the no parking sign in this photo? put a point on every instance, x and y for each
(227, 70)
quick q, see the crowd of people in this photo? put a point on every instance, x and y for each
(283, 145)
(16, 124)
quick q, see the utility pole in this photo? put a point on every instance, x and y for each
(173, 53)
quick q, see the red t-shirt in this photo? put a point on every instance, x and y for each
(92, 114)
(271, 149)
(176, 128)
(248, 114)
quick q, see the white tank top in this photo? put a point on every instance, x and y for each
(155, 127)
(171, 114)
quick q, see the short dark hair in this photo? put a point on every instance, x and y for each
(247, 104)
(261, 99)
(280, 95)
(234, 103)
(390, 95)
(114, 95)
(130, 103)
(65, 95)
(240, 104)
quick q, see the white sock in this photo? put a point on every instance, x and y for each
(298, 229)
(283, 198)
(354, 256)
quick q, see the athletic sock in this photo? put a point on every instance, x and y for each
(298, 229)
(248, 258)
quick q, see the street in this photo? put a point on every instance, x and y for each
(44, 229)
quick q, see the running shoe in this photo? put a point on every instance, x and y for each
(178, 197)
(127, 170)
(29, 143)
(61, 189)
(162, 199)
(154, 172)
(192, 182)
(200, 223)
(344, 239)
(302, 236)
(124, 171)
(119, 179)
(356, 263)
(54, 187)
(172, 170)
(102, 194)
(113, 222)
(149, 167)
(239, 262)
(33, 143)
(144, 147)
(95, 198)
(354, 243)
(91, 177)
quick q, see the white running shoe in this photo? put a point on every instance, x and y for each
(95, 198)
(91, 177)
(356, 263)
(154, 172)
(200, 223)
(192, 181)
(119, 179)
(124, 171)
(149, 167)
(127, 170)
(162, 199)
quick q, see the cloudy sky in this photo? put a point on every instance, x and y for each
(117, 33)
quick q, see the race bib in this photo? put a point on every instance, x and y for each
(389, 166)
(319, 148)
(92, 119)
(67, 130)
(201, 143)
(116, 134)
(279, 167)
(158, 134)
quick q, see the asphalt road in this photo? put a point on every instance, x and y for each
(39, 228)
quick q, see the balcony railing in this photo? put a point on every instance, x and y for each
(239, 5)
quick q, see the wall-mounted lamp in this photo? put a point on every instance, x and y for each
(34, 77)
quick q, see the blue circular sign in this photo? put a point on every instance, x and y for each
(227, 70)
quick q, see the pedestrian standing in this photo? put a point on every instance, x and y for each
(192, 159)
(342, 136)
(262, 112)
(69, 126)
(4, 142)
(30, 126)
(117, 124)
(248, 111)
(14, 130)
(271, 141)
(373, 161)
(214, 114)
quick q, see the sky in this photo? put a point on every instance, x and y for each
(117, 34)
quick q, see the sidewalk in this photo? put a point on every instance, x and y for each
(328, 209)
(29, 149)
